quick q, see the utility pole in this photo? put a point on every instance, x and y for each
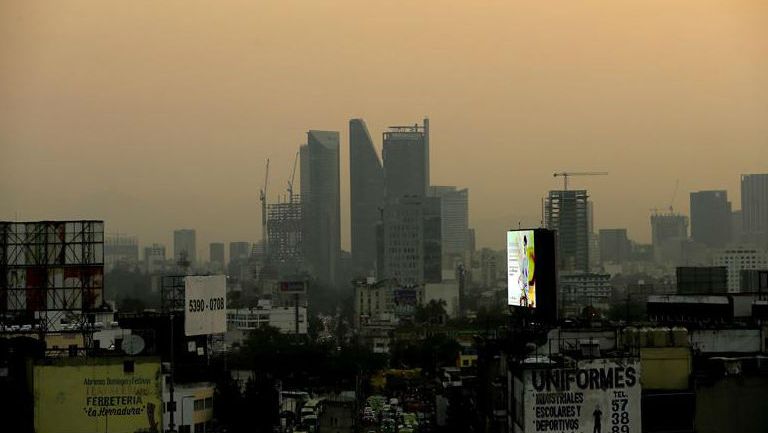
(171, 403)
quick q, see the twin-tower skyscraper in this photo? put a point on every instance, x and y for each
(401, 174)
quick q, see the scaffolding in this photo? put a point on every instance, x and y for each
(172, 294)
(51, 272)
(285, 232)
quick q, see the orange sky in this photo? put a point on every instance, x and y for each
(159, 115)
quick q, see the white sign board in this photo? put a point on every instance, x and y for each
(598, 396)
(205, 305)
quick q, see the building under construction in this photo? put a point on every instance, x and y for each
(566, 212)
(51, 272)
(285, 235)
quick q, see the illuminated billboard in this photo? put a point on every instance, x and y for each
(531, 279)
(75, 395)
(521, 268)
(205, 304)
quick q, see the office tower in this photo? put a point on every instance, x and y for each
(408, 241)
(366, 186)
(454, 214)
(239, 250)
(614, 246)
(566, 212)
(154, 258)
(754, 208)
(406, 161)
(740, 259)
(184, 246)
(321, 200)
(120, 251)
(216, 256)
(669, 233)
(711, 218)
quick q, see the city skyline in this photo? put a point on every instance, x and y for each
(174, 133)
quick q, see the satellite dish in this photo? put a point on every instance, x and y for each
(132, 344)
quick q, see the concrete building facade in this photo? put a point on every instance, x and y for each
(566, 212)
(739, 259)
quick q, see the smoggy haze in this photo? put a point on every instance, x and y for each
(159, 115)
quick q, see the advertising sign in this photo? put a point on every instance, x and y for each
(205, 305)
(405, 301)
(97, 395)
(597, 396)
(293, 287)
(521, 268)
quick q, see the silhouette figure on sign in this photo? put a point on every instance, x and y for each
(598, 415)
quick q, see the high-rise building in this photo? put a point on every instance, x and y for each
(216, 256)
(566, 212)
(120, 251)
(239, 250)
(406, 161)
(711, 218)
(366, 185)
(454, 214)
(754, 208)
(320, 197)
(669, 234)
(184, 245)
(154, 258)
(740, 259)
(408, 241)
(615, 246)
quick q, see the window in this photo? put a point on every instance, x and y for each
(199, 405)
(209, 403)
(200, 427)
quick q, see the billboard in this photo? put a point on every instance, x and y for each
(405, 301)
(97, 395)
(521, 268)
(597, 396)
(205, 305)
(293, 287)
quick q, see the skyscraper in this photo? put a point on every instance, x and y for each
(366, 185)
(406, 161)
(454, 215)
(321, 199)
(669, 233)
(615, 246)
(711, 218)
(566, 212)
(216, 258)
(184, 245)
(408, 241)
(754, 208)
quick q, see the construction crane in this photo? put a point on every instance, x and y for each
(566, 174)
(290, 181)
(263, 198)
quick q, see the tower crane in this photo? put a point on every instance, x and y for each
(566, 174)
(263, 198)
(290, 181)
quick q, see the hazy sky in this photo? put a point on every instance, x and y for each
(159, 115)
